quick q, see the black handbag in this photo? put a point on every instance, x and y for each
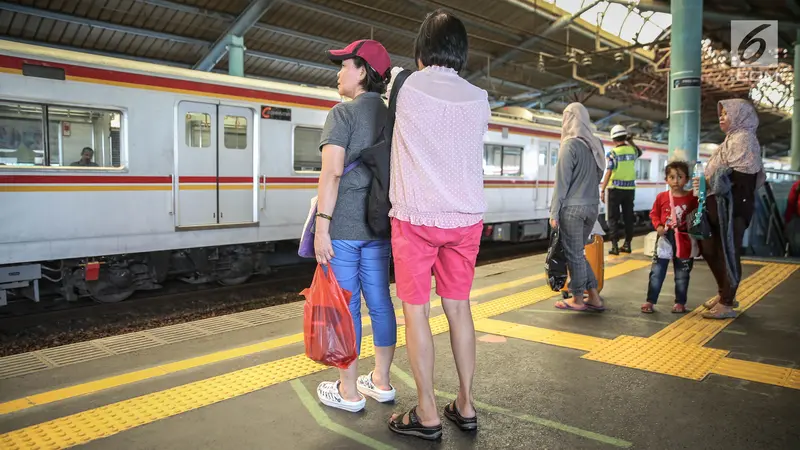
(555, 265)
(699, 226)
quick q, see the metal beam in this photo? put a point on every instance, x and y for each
(611, 115)
(711, 15)
(52, 15)
(538, 36)
(429, 6)
(249, 17)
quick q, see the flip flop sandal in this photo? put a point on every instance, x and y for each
(591, 307)
(678, 309)
(414, 427)
(647, 308)
(564, 305)
(463, 423)
(713, 302)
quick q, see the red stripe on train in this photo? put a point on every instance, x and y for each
(12, 62)
(84, 179)
(215, 179)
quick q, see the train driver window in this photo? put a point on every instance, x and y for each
(198, 130)
(73, 137)
(307, 157)
(643, 169)
(235, 132)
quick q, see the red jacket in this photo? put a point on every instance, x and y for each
(661, 214)
(793, 205)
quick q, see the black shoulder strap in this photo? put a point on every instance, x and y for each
(398, 83)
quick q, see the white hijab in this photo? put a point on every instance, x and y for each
(576, 124)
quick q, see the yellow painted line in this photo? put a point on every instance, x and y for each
(211, 358)
(758, 372)
(107, 420)
(694, 329)
(540, 335)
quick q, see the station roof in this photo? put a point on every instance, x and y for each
(537, 54)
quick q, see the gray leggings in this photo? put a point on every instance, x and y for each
(575, 225)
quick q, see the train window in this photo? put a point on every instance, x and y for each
(307, 157)
(74, 137)
(512, 161)
(642, 169)
(662, 165)
(553, 155)
(198, 130)
(502, 161)
(235, 132)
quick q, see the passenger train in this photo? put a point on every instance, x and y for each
(195, 175)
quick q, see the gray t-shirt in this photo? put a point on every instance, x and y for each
(354, 126)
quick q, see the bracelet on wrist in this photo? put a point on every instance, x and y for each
(324, 216)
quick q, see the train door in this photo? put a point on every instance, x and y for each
(214, 165)
(196, 164)
(235, 163)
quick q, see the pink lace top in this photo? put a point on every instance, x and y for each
(437, 150)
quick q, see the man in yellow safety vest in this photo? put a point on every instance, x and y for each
(620, 180)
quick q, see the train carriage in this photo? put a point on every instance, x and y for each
(196, 175)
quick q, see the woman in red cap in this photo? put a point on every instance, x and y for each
(343, 240)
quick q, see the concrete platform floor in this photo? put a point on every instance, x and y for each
(533, 391)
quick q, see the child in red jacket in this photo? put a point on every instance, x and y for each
(669, 214)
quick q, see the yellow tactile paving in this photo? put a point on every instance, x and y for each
(655, 355)
(541, 335)
(694, 329)
(102, 422)
(753, 371)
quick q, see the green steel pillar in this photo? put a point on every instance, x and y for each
(796, 111)
(684, 76)
(236, 56)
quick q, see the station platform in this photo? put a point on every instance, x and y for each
(545, 378)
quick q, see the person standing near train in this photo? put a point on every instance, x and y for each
(438, 203)
(343, 240)
(575, 201)
(620, 181)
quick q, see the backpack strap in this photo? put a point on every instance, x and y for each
(399, 80)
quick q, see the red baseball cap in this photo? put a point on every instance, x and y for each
(370, 51)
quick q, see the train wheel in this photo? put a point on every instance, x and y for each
(112, 298)
(233, 281)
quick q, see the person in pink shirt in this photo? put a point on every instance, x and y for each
(436, 191)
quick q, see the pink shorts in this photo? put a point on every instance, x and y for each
(450, 253)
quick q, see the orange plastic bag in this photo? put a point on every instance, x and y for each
(330, 336)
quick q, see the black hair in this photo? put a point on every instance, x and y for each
(373, 82)
(88, 148)
(442, 41)
(678, 166)
(620, 139)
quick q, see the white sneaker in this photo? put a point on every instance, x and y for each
(367, 387)
(328, 394)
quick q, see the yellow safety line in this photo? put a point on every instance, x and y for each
(105, 421)
(92, 387)
(540, 335)
(694, 329)
(758, 372)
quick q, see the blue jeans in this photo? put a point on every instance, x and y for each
(363, 266)
(658, 271)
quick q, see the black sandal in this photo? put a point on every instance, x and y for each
(463, 423)
(414, 427)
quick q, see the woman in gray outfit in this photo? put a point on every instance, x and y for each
(576, 199)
